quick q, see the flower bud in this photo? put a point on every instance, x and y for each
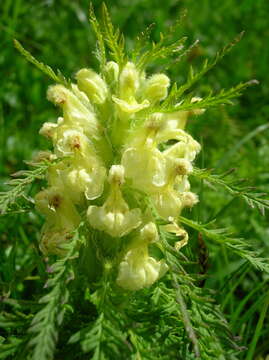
(57, 94)
(156, 88)
(129, 81)
(93, 85)
(111, 71)
(44, 156)
(83, 98)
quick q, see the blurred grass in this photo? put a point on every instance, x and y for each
(58, 33)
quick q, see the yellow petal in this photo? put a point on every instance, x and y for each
(130, 107)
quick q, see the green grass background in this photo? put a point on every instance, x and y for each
(58, 33)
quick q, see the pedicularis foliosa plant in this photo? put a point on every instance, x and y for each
(116, 282)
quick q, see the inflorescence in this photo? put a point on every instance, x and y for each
(111, 145)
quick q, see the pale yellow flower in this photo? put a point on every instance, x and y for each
(114, 217)
(137, 269)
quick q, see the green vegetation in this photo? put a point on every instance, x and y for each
(213, 302)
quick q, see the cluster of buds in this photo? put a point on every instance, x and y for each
(110, 141)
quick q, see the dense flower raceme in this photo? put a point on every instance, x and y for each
(109, 136)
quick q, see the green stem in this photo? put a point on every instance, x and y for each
(185, 317)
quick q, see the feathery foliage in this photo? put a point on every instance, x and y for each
(19, 186)
(223, 98)
(204, 323)
(193, 77)
(235, 188)
(113, 38)
(47, 321)
(46, 69)
(101, 50)
(237, 246)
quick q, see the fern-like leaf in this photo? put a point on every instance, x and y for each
(223, 98)
(57, 77)
(159, 51)
(236, 245)
(141, 42)
(204, 324)
(235, 188)
(113, 38)
(196, 76)
(45, 324)
(101, 50)
(19, 186)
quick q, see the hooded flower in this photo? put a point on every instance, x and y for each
(131, 106)
(137, 269)
(75, 112)
(92, 85)
(114, 217)
(145, 166)
(84, 177)
(129, 82)
(83, 172)
(61, 219)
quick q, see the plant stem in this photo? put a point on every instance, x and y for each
(185, 317)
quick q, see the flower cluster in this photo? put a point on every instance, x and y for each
(110, 136)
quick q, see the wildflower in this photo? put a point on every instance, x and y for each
(131, 106)
(61, 218)
(92, 85)
(114, 217)
(48, 129)
(86, 178)
(156, 88)
(145, 166)
(75, 112)
(137, 269)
